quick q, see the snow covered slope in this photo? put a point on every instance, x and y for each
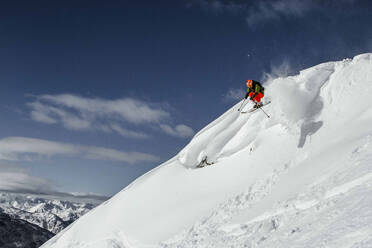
(299, 179)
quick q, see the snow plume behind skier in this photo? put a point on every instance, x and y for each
(255, 92)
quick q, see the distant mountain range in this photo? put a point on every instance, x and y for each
(44, 211)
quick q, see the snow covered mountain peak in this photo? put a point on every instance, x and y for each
(48, 213)
(301, 178)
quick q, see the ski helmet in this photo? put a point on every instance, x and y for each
(249, 83)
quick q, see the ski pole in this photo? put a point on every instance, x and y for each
(268, 116)
(242, 104)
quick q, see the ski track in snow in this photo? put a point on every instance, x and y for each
(299, 179)
(300, 221)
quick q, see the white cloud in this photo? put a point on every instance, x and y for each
(50, 115)
(128, 133)
(22, 148)
(129, 109)
(42, 117)
(81, 113)
(178, 131)
(101, 153)
(16, 179)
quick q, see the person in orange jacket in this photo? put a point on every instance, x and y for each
(255, 92)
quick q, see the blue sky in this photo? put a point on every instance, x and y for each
(95, 93)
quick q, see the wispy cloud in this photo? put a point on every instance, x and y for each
(28, 149)
(271, 10)
(127, 133)
(81, 113)
(256, 12)
(49, 114)
(15, 179)
(129, 109)
(178, 131)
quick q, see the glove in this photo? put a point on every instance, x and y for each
(246, 95)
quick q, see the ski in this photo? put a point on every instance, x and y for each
(254, 109)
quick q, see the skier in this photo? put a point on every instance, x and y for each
(255, 92)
